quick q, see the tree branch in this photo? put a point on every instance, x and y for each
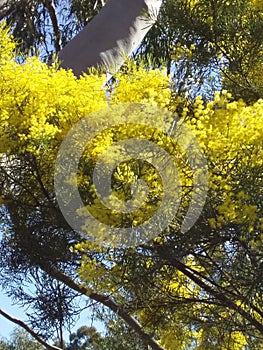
(29, 330)
(4, 9)
(111, 36)
(52, 13)
(172, 261)
(55, 273)
(105, 300)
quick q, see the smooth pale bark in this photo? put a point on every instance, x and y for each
(3, 9)
(111, 36)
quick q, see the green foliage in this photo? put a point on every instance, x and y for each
(45, 237)
(117, 337)
(20, 340)
(201, 39)
(85, 338)
(46, 26)
(204, 44)
(201, 289)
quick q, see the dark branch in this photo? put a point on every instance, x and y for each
(29, 330)
(172, 261)
(105, 300)
(52, 13)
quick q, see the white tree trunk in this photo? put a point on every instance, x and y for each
(111, 36)
(3, 9)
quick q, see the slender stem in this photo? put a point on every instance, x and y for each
(105, 300)
(172, 261)
(52, 13)
(29, 330)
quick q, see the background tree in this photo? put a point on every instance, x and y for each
(85, 338)
(20, 340)
(116, 336)
(46, 26)
(119, 337)
(201, 41)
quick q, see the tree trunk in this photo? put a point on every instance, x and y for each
(111, 36)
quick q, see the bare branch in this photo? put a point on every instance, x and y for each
(52, 13)
(105, 300)
(172, 261)
(29, 330)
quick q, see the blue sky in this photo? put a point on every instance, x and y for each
(6, 304)
(6, 327)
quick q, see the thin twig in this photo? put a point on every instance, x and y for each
(29, 330)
